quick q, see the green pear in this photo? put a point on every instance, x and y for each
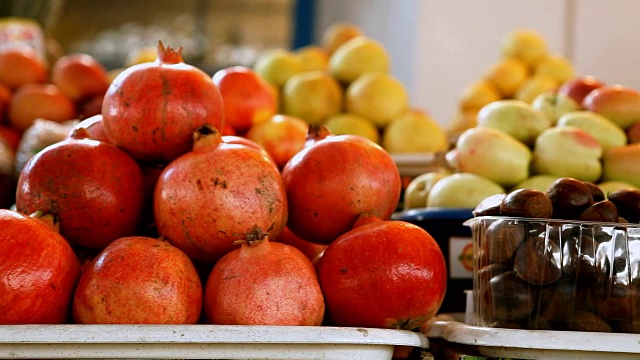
(462, 190)
(514, 117)
(538, 182)
(608, 133)
(493, 154)
(417, 192)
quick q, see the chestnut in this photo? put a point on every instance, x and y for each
(511, 298)
(537, 261)
(569, 197)
(502, 238)
(529, 203)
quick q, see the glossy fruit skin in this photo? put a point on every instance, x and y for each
(248, 98)
(38, 271)
(266, 284)
(332, 181)
(139, 280)
(210, 197)
(151, 109)
(94, 188)
(388, 274)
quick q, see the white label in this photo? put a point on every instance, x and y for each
(460, 257)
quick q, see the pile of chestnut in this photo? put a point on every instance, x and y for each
(564, 259)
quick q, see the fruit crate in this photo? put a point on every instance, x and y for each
(203, 341)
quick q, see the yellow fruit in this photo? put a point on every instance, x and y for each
(141, 55)
(337, 34)
(557, 67)
(312, 96)
(377, 96)
(312, 57)
(462, 121)
(524, 44)
(535, 86)
(357, 57)
(352, 124)
(414, 132)
(508, 75)
(478, 94)
(277, 66)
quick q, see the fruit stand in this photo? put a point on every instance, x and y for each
(301, 207)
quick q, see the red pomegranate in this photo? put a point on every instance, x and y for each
(151, 109)
(94, 188)
(263, 283)
(333, 180)
(210, 197)
(309, 249)
(383, 273)
(241, 140)
(38, 271)
(94, 126)
(139, 280)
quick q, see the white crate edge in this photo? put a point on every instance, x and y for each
(203, 341)
(537, 344)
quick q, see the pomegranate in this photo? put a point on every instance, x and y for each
(21, 65)
(263, 283)
(383, 273)
(333, 180)
(94, 188)
(38, 270)
(248, 98)
(151, 109)
(210, 197)
(94, 127)
(139, 280)
(309, 249)
(241, 140)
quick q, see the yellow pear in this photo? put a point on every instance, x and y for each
(312, 57)
(535, 86)
(356, 57)
(414, 132)
(277, 65)
(312, 96)
(377, 96)
(524, 44)
(337, 34)
(141, 55)
(508, 75)
(478, 94)
(557, 67)
(352, 124)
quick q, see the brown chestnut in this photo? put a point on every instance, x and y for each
(502, 238)
(537, 261)
(601, 211)
(569, 197)
(587, 321)
(489, 206)
(596, 191)
(511, 298)
(627, 201)
(529, 203)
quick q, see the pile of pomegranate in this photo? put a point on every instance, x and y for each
(160, 209)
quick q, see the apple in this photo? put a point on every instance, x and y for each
(248, 99)
(514, 117)
(535, 86)
(557, 67)
(356, 57)
(414, 132)
(567, 151)
(352, 124)
(538, 182)
(608, 134)
(462, 190)
(494, 155)
(554, 104)
(614, 185)
(417, 192)
(617, 103)
(622, 164)
(378, 96)
(578, 88)
(524, 44)
(312, 96)
(507, 76)
(478, 94)
(276, 66)
(282, 136)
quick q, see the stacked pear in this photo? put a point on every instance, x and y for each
(345, 83)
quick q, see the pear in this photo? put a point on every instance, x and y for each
(312, 57)
(524, 44)
(414, 132)
(462, 190)
(312, 96)
(337, 34)
(514, 117)
(356, 57)
(277, 66)
(508, 75)
(417, 192)
(608, 134)
(478, 94)
(352, 124)
(377, 96)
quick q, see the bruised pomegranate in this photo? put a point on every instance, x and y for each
(383, 273)
(38, 271)
(94, 188)
(139, 280)
(210, 197)
(151, 109)
(333, 180)
(263, 283)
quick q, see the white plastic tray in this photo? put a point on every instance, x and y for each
(538, 344)
(417, 164)
(202, 341)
